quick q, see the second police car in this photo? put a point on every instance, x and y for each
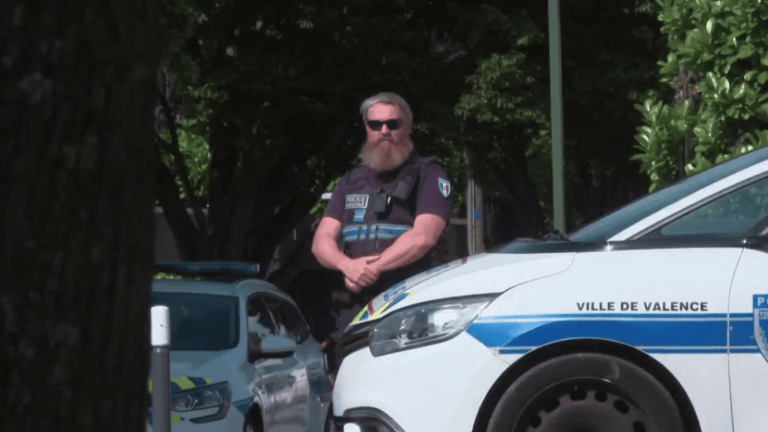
(242, 358)
(651, 319)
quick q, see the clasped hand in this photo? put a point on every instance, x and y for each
(360, 272)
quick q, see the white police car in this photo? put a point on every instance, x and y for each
(652, 318)
(242, 356)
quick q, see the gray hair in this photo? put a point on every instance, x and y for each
(387, 98)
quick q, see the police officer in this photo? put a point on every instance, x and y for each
(386, 213)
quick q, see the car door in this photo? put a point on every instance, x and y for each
(295, 396)
(313, 389)
(737, 217)
(275, 382)
(749, 347)
(748, 354)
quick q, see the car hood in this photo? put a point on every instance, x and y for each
(486, 273)
(190, 369)
(200, 362)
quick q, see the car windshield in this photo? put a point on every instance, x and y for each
(612, 224)
(200, 322)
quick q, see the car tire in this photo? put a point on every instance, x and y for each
(587, 391)
(329, 425)
(252, 424)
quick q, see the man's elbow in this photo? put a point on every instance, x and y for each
(317, 246)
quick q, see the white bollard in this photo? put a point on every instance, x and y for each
(161, 369)
(161, 326)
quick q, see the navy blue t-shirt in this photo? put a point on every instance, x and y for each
(433, 195)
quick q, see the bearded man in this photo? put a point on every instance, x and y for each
(386, 213)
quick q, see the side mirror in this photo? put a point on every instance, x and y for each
(272, 347)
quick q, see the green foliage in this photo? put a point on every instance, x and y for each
(189, 99)
(508, 94)
(179, 18)
(193, 146)
(173, 276)
(502, 92)
(161, 275)
(609, 51)
(319, 207)
(717, 69)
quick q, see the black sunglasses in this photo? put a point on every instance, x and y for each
(393, 124)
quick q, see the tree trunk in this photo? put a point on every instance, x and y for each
(501, 226)
(76, 173)
(529, 219)
(223, 183)
(185, 233)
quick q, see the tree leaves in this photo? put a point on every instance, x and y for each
(719, 76)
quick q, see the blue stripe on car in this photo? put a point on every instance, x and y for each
(653, 333)
(243, 405)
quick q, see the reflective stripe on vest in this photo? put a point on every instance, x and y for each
(372, 232)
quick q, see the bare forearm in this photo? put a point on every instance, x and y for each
(328, 254)
(408, 248)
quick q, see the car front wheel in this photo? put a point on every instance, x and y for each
(586, 392)
(252, 424)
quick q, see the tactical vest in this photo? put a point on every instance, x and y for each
(376, 215)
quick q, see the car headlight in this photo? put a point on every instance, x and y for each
(425, 324)
(217, 395)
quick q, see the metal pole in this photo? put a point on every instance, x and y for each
(556, 96)
(470, 207)
(471, 216)
(161, 369)
(479, 226)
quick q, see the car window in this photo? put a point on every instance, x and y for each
(289, 321)
(200, 322)
(294, 315)
(260, 322)
(735, 213)
(619, 220)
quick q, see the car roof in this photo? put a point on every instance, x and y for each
(239, 288)
(234, 278)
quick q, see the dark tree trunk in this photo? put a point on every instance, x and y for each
(223, 183)
(528, 219)
(76, 176)
(175, 212)
(500, 224)
(531, 216)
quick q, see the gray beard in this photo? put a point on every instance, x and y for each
(386, 156)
